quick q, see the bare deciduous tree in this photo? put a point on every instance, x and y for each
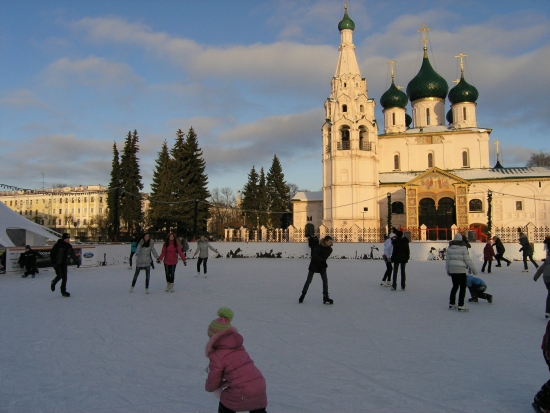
(539, 159)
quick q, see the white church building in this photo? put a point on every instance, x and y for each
(428, 173)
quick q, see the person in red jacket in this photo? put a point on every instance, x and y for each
(231, 372)
(488, 254)
(170, 251)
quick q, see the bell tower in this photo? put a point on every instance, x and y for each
(350, 139)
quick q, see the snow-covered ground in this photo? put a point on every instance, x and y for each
(107, 350)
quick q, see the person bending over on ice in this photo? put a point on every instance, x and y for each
(457, 262)
(318, 264)
(477, 289)
(27, 260)
(143, 260)
(202, 250)
(544, 270)
(232, 375)
(170, 251)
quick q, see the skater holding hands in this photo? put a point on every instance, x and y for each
(457, 263)
(231, 372)
(202, 249)
(388, 250)
(143, 260)
(170, 251)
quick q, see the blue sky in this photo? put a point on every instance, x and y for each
(250, 77)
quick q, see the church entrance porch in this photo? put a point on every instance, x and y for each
(436, 201)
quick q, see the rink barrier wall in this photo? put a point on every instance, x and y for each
(118, 254)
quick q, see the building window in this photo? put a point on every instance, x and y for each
(393, 119)
(476, 205)
(427, 116)
(84, 199)
(16, 201)
(361, 108)
(519, 205)
(100, 210)
(430, 160)
(91, 210)
(92, 199)
(465, 160)
(100, 199)
(344, 144)
(344, 108)
(396, 162)
(397, 208)
(464, 112)
(84, 221)
(66, 200)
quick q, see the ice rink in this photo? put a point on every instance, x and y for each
(107, 350)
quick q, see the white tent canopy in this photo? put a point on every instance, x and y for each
(16, 231)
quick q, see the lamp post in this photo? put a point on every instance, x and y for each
(365, 209)
(489, 210)
(389, 212)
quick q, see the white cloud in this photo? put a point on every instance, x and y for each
(22, 99)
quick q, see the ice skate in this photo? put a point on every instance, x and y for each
(197, 274)
(452, 306)
(171, 287)
(167, 287)
(547, 315)
(327, 300)
(52, 286)
(129, 267)
(538, 408)
(301, 299)
(147, 291)
(524, 270)
(462, 309)
(473, 300)
(65, 294)
(388, 284)
(489, 298)
(131, 289)
(204, 275)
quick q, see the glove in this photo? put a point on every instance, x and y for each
(185, 262)
(158, 261)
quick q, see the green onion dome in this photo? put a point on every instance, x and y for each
(449, 116)
(408, 120)
(427, 83)
(463, 92)
(346, 22)
(393, 98)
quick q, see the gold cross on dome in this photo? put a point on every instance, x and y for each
(424, 30)
(392, 63)
(461, 56)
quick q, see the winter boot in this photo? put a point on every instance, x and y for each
(489, 298)
(473, 300)
(301, 299)
(327, 300)
(167, 287)
(65, 294)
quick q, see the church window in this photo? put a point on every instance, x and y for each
(361, 108)
(393, 119)
(464, 113)
(465, 160)
(344, 108)
(344, 144)
(430, 160)
(397, 208)
(427, 116)
(16, 201)
(476, 205)
(84, 221)
(519, 205)
(396, 162)
(345, 84)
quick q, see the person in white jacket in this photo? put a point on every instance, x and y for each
(457, 263)
(388, 251)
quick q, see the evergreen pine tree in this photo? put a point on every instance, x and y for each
(113, 196)
(183, 208)
(130, 182)
(160, 214)
(277, 192)
(250, 197)
(197, 187)
(263, 200)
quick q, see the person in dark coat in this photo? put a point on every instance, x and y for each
(319, 264)
(500, 252)
(27, 260)
(400, 257)
(488, 254)
(61, 252)
(541, 403)
(527, 250)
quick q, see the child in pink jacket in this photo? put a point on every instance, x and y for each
(231, 369)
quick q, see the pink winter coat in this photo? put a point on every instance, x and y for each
(170, 254)
(232, 369)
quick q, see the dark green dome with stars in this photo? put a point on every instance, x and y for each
(346, 22)
(463, 92)
(393, 98)
(427, 83)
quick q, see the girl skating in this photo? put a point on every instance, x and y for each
(143, 260)
(170, 251)
(202, 249)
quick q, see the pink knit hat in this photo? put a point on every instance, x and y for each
(222, 322)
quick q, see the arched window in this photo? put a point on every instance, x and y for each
(344, 133)
(344, 108)
(396, 165)
(361, 108)
(397, 208)
(465, 160)
(430, 160)
(345, 84)
(427, 116)
(464, 112)
(476, 205)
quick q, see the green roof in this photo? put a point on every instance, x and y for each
(393, 98)
(427, 83)
(346, 22)
(463, 92)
